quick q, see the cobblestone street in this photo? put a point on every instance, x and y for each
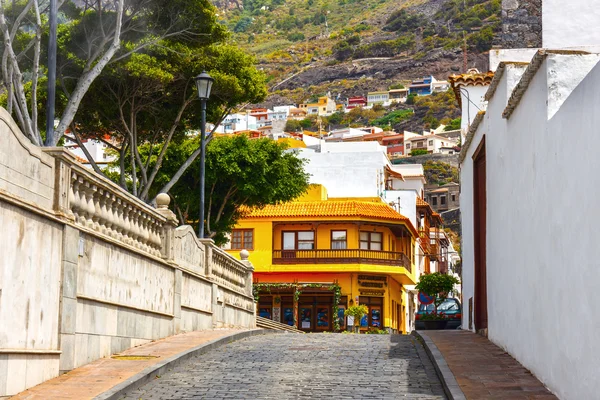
(311, 366)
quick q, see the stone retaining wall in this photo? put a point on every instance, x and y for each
(87, 270)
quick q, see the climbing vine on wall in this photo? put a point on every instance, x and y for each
(257, 288)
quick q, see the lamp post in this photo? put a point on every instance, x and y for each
(203, 83)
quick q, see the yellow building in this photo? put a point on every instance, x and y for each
(316, 256)
(324, 106)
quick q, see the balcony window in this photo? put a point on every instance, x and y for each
(242, 239)
(338, 240)
(371, 240)
(302, 240)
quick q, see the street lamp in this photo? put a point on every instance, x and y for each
(203, 83)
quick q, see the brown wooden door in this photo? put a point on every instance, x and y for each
(480, 201)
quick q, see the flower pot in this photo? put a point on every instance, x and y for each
(435, 324)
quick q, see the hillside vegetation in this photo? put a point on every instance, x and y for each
(289, 36)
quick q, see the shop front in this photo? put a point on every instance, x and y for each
(320, 307)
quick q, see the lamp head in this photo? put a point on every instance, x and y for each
(204, 84)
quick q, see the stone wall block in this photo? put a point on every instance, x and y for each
(67, 355)
(68, 323)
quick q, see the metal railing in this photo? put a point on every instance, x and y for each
(337, 256)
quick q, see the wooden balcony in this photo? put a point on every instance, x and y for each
(341, 256)
(425, 240)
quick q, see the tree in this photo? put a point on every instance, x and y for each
(240, 173)
(437, 285)
(357, 312)
(92, 35)
(150, 99)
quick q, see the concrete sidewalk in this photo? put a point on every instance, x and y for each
(481, 369)
(108, 377)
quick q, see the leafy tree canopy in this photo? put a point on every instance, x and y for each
(240, 172)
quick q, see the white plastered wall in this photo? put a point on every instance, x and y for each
(542, 228)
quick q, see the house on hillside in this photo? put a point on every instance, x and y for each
(443, 198)
(381, 98)
(427, 86)
(398, 95)
(324, 106)
(358, 101)
(297, 114)
(433, 144)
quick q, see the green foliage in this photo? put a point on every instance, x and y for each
(375, 331)
(440, 173)
(403, 22)
(239, 172)
(397, 86)
(410, 100)
(393, 118)
(293, 125)
(357, 311)
(418, 152)
(453, 125)
(437, 285)
(482, 40)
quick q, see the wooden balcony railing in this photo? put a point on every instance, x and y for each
(425, 239)
(340, 256)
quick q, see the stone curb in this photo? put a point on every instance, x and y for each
(451, 387)
(162, 367)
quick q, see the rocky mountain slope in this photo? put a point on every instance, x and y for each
(349, 47)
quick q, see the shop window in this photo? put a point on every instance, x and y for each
(374, 318)
(301, 240)
(371, 240)
(338, 240)
(242, 239)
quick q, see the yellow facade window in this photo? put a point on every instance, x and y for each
(242, 239)
(299, 240)
(339, 240)
(371, 240)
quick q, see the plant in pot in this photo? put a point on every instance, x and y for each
(438, 286)
(357, 312)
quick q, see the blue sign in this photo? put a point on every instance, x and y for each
(425, 299)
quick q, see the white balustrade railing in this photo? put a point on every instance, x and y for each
(228, 271)
(98, 206)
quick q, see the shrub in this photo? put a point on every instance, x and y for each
(418, 152)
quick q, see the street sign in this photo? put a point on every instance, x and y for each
(425, 299)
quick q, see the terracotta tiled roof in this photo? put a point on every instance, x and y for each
(421, 202)
(331, 208)
(471, 78)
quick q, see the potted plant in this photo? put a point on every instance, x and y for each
(357, 312)
(438, 286)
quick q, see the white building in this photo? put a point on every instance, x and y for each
(382, 97)
(99, 151)
(529, 209)
(433, 144)
(237, 122)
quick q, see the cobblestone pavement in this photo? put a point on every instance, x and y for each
(311, 366)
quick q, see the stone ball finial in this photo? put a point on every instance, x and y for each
(244, 254)
(163, 200)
